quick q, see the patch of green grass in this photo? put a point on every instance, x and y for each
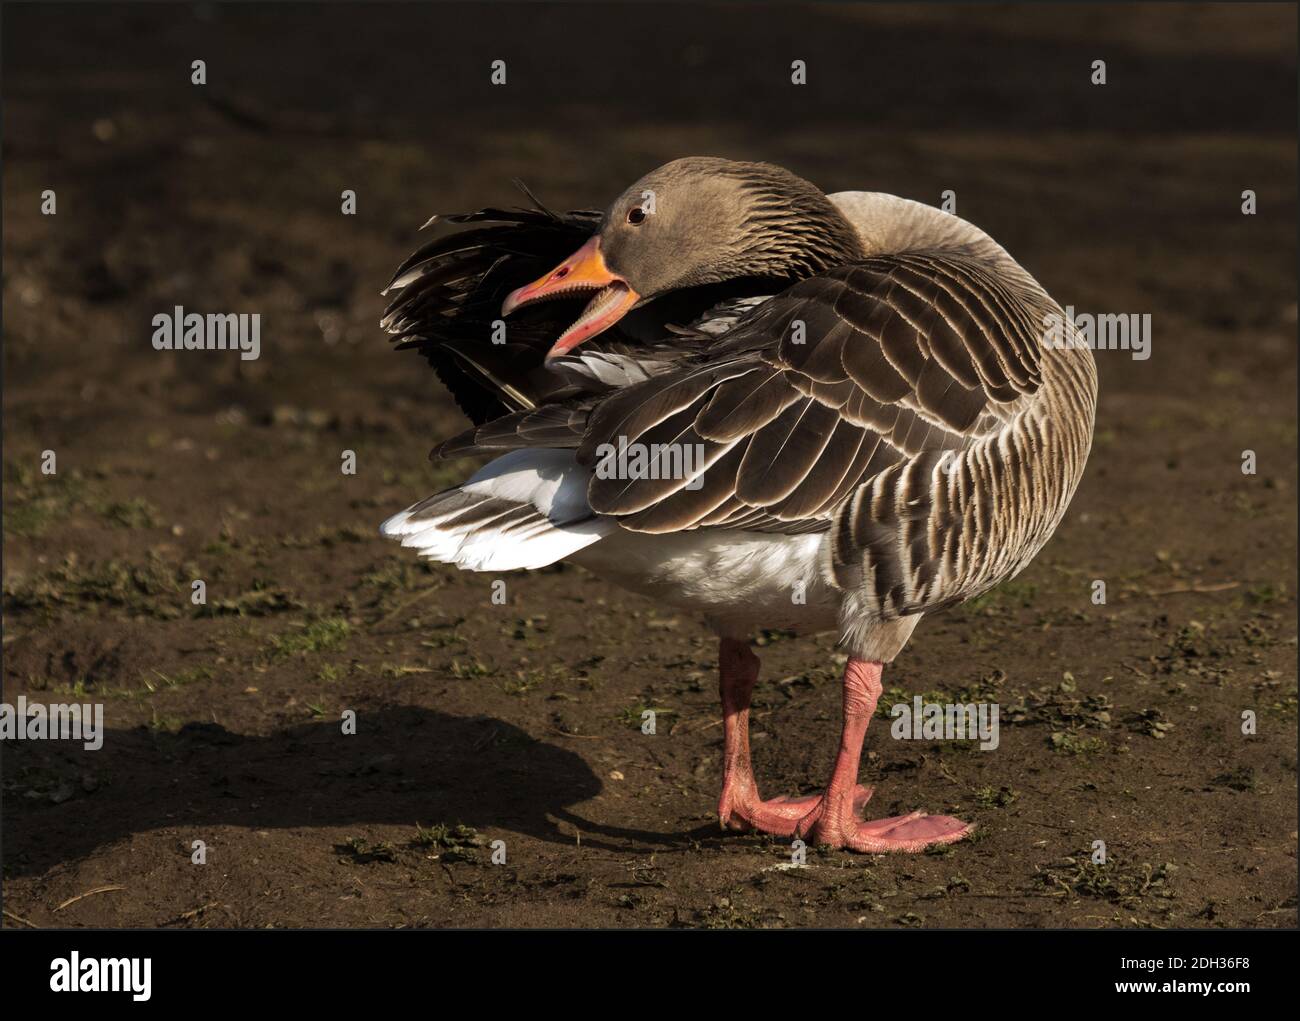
(896, 695)
(133, 513)
(477, 668)
(259, 601)
(1258, 633)
(219, 549)
(1191, 641)
(443, 635)
(994, 797)
(396, 670)
(522, 684)
(1277, 705)
(357, 851)
(316, 636)
(79, 688)
(986, 689)
(630, 716)
(153, 588)
(1267, 593)
(454, 843)
(34, 503)
(1068, 742)
(525, 681)
(164, 724)
(1115, 881)
(177, 679)
(1007, 596)
(1150, 722)
(526, 627)
(442, 835)
(1061, 709)
(397, 575)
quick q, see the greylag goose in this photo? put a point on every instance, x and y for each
(880, 427)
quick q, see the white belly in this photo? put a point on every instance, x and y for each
(740, 581)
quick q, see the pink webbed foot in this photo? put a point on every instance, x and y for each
(834, 818)
(836, 821)
(780, 816)
(906, 833)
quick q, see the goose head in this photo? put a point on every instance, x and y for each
(693, 222)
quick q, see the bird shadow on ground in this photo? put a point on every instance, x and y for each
(404, 766)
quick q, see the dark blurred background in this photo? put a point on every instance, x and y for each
(226, 198)
(228, 193)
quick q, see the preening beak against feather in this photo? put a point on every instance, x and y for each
(761, 221)
(583, 272)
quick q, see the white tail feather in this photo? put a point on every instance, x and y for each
(522, 511)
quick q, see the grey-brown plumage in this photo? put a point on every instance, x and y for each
(895, 394)
(879, 428)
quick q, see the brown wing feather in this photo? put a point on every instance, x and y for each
(866, 372)
(897, 358)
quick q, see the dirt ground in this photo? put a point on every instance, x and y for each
(520, 723)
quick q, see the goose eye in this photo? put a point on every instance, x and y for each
(636, 215)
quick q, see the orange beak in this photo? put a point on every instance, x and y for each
(583, 271)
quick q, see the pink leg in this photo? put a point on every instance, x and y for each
(739, 806)
(835, 820)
